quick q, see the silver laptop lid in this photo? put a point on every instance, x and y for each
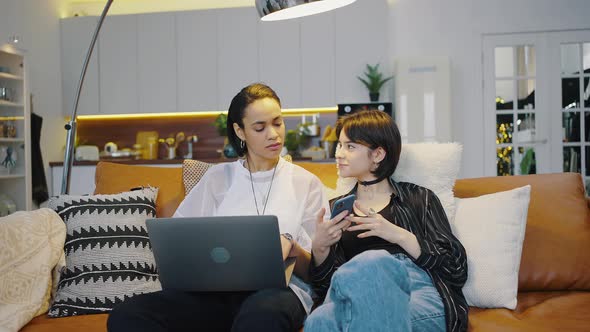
(236, 253)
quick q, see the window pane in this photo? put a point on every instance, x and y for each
(525, 57)
(504, 62)
(504, 95)
(570, 93)
(504, 162)
(587, 186)
(586, 93)
(571, 126)
(587, 129)
(571, 159)
(570, 59)
(526, 94)
(587, 160)
(587, 58)
(528, 163)
(504, 128)
(525, 128)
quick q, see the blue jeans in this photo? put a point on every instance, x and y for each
(377, 291)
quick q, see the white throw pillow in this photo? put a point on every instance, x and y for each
(491, 228)
(431, 165)
(31, 243)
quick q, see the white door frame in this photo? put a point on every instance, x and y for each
(542, 98)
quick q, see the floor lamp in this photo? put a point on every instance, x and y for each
(269, 10)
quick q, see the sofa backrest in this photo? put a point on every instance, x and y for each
(112, 178)
(556, 249)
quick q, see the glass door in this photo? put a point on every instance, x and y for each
(571, 107)
(515, 105)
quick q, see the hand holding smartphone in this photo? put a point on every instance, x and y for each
(343, 204)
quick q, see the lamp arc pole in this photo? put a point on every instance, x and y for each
(71, 125)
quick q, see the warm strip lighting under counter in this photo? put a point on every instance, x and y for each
(286, 112)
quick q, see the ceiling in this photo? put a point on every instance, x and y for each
(119, 7)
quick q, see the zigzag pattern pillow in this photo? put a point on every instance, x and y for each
(108, 254)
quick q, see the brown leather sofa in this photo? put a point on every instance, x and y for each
(554, 279)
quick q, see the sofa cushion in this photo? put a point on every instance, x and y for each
(491, 228)
(537, 311)
(31, 244)
(192, 172)
(85, 323)
(326, 172)
(108, 253)
(554, 254)
(113, 178)
(431, 165)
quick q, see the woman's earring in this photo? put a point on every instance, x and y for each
(242, 144)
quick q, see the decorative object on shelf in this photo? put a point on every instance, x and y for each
(373, 80)
(7, 157)
(221, 124)
(291, 141)
(10, 129)
(7, 205)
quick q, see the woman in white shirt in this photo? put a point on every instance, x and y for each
(260, 183)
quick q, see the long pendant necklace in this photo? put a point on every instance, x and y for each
(265, 199)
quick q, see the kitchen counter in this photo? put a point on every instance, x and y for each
(82, 174)
(128, 161)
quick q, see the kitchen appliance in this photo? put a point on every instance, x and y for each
(87, 152)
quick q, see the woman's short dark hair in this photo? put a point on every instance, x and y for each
(374, 129)
(237, 108)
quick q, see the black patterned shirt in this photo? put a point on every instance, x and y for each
(419, 211)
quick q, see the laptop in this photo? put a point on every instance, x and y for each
(237, 253)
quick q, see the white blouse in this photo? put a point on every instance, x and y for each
(295, 197)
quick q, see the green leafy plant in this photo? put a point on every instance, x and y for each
(528, 161)
(221, 124)
(373, 79)
(291, 140)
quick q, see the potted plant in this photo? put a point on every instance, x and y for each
(221, 124)
(373, 80)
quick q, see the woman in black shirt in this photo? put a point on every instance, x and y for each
(393, 264)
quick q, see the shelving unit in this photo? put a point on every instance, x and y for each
(15, 111)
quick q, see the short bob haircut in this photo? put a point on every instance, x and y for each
(374, 129)
(237, 108)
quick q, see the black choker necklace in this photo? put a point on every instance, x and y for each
(368, 183)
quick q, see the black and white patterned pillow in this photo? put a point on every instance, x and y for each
(108, 254)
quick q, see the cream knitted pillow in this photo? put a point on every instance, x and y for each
(31, 243)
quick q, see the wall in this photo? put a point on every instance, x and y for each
(455, 28)
(36, 22)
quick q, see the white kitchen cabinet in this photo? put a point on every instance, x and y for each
(360, 38)
(76, 33)
(237, 52)
(279, 59)
(156, 61)
(118, 65)
(15, 167)
(196, 57)
(317, 60)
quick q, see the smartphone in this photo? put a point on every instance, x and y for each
(343, 204)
